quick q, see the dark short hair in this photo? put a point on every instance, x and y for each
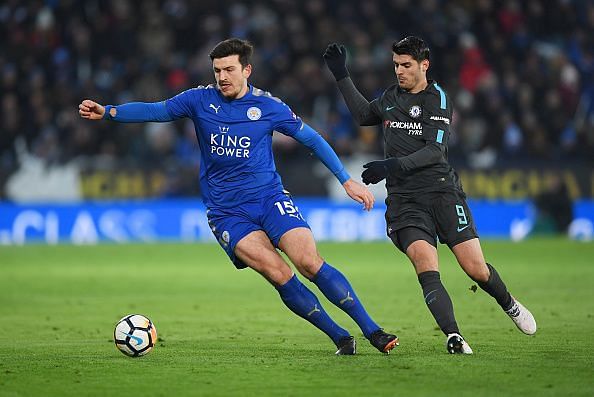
(233, 46)
(413, 46)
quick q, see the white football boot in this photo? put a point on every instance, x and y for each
(522, 317)
(455, 344)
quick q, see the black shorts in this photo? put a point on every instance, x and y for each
(429, 216)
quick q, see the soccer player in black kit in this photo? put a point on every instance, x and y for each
(425, 198)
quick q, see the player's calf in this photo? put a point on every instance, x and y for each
(495, 287)
(335, 286)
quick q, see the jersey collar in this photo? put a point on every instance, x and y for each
(247, 95)
(430, 82)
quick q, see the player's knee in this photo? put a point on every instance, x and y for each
(425, 265)
(422, 261)
(478, 271)
(278, 275)
(308, 263)
(482, 275)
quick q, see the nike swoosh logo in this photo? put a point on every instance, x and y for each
(427, 297)
(390, 108)
(137, 339)
(462, 228)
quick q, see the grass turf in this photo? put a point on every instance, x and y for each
(225, 332)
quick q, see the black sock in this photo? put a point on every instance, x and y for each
(438, 301)
(497, 289)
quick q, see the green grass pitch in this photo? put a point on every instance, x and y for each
(225, 332)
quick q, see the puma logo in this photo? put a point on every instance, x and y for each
(348, 298)
(314, 310)
(215, 108)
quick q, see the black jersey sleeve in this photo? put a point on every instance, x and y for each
(363, 111)
(431, 153)
(437, 115)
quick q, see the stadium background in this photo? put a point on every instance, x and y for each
(521, 74)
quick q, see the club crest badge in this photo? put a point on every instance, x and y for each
(414, 111)
(224, 239)
(254, 113)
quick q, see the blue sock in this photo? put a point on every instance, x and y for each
(306, 305)
(338, 290)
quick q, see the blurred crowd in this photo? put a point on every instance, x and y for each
(521, 73)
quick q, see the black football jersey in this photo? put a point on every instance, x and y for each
(410, 122)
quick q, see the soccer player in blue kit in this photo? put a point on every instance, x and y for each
(249, 211)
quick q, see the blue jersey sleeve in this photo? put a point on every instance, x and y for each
(184, 103)
(285, 121)
(310, 138)
(137, 112)
(180, 106)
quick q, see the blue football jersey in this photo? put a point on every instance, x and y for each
(235, 139)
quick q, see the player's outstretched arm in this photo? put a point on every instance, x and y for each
(359, 193)
(133, 112)
(335, 58)
(310, 138)
(91, 110)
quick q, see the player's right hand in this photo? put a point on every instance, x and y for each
(335, 57)
(91, 110)
(359, 193)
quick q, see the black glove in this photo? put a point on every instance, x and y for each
(335, 57)
(375, 171)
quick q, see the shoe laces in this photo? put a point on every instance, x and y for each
(514, 311)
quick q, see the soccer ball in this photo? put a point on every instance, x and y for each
(135, 335)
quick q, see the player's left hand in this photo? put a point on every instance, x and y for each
(376, 171)
(359, 193)
(335, 57)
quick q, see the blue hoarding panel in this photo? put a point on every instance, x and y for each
(185, 220)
